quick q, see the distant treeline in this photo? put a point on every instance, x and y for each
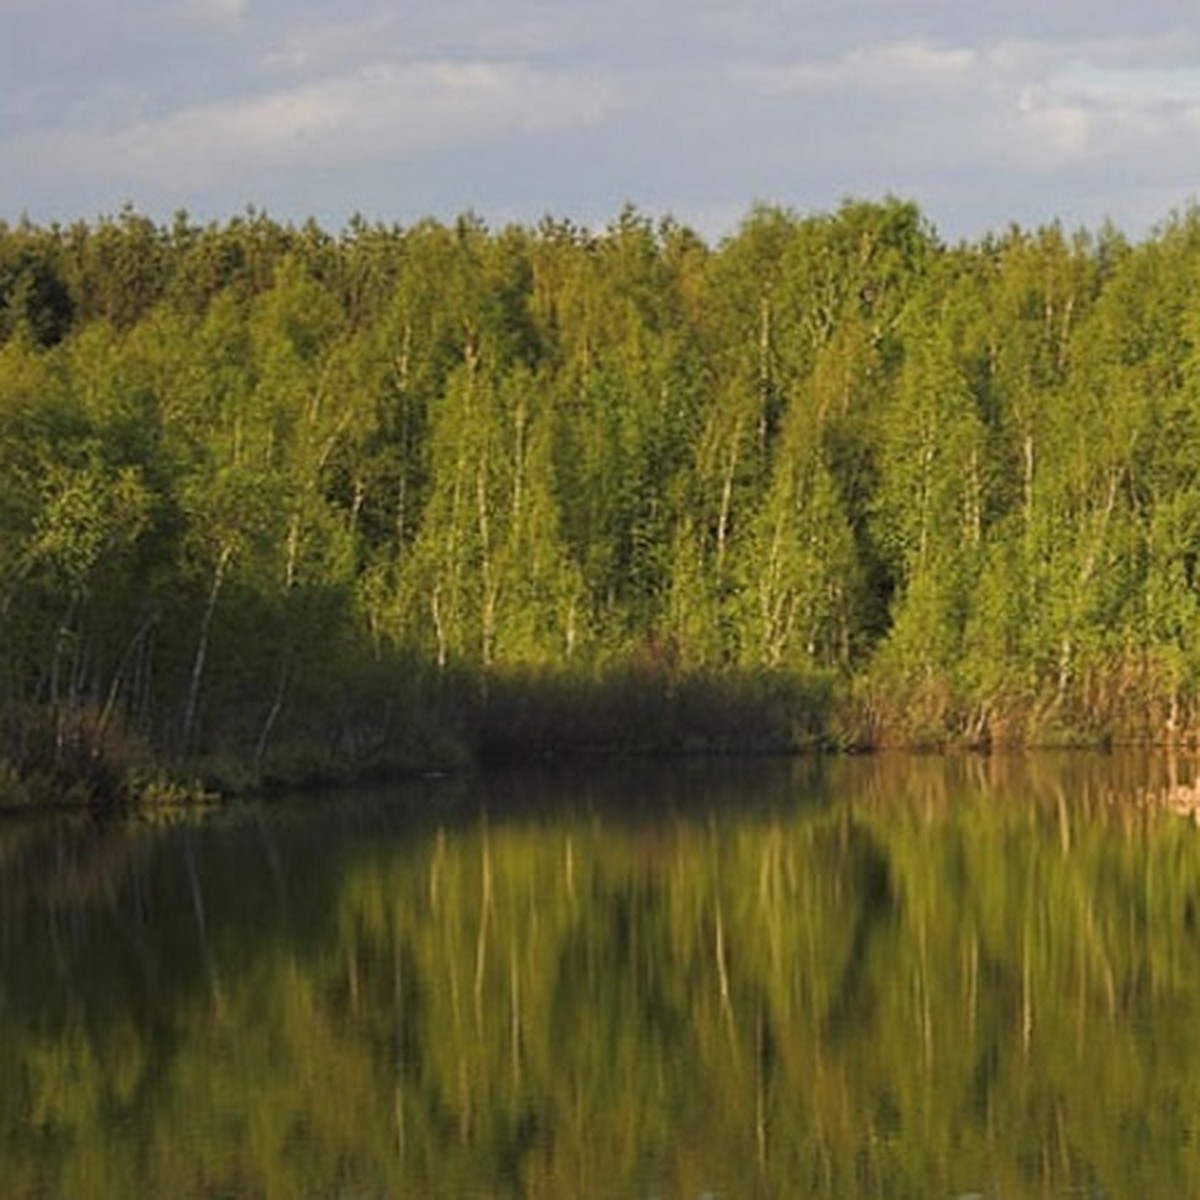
(283, 502)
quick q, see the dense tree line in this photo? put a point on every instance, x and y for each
(270, 494)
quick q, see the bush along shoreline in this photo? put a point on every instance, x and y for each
(73, 759)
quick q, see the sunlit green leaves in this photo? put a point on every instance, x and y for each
(829, 443)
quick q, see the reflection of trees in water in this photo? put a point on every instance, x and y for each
(904, 995)
(65, 861)
(865, 868)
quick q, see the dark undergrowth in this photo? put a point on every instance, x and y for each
(380, 726)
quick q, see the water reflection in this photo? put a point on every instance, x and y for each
(911, 977)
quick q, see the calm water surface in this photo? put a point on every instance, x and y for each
(909, 977)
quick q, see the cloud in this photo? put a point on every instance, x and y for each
(985, 113)
(1151, 88)
(1035, 105)
(886, 65)
(219, 10)
(376, 112)
(1084, 109)
(307, 47)
(1050, 131)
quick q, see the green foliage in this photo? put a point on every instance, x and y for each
(240, 462)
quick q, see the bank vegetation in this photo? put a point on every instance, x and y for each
(280, 504)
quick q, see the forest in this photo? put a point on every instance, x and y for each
(280, 505)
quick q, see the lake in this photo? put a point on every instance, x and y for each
(882, 977)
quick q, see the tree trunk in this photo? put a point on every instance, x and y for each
(193, 699)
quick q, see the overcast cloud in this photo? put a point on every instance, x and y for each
(984, 113)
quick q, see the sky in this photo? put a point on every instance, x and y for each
(984, 112)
